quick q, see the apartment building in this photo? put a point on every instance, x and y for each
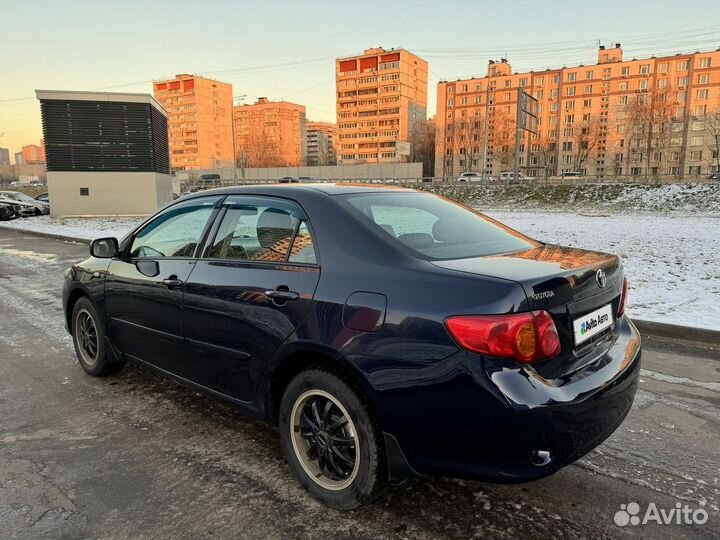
(33, 153)
(4, 157)
(321, 143)
(381, 96)
(271, 134)
(654, 116)
(199, 121)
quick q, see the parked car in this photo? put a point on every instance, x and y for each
(288, 180)
(44, 197)
(214, 177)
(470, 177)
(509, 177)
(28, 205)
(568, 175)
(307, 179)
(433, 341)
(8, 211)
(714, 176)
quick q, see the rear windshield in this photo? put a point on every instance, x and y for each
(436, 228)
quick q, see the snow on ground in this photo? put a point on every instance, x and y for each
(671, 258)
(672, 261)
(86, 228)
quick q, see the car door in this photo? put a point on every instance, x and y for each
(253, 286)
(144, 287)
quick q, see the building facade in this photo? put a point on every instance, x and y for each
(106, 153)
(33, 153)
(270, 134)
(321, 144)
(199, 121)
(657, 116)
(381, 95)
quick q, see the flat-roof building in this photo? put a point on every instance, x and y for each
(106, 152)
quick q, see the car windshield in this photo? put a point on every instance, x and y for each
(17, 196)
(435, 228)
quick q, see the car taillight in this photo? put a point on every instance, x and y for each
(623, 299)
(525, 337)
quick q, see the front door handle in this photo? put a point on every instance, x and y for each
(280, 295)
(173, 282)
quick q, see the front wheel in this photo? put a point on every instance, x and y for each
(330, 440)
(88, 335)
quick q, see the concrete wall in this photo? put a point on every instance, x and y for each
(111, 193)
(327, 172)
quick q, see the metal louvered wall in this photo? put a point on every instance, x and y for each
(104, 136)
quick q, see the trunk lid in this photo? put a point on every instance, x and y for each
(565, 282)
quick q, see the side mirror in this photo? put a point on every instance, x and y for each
(104, 248)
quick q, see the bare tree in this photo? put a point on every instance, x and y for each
(501, 138)
(422, 146)
(649, 118)
(585, 137)
(543, 148)
(712, 135)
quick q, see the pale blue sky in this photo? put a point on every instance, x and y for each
(83, 45)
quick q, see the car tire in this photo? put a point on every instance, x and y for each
(5, 213)
(343, 467)
(88, 333)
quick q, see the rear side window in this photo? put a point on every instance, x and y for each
(435, 228)
(262, 230)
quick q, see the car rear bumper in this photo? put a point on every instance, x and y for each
(494, 421)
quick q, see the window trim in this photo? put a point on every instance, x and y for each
(130, 238)
(212, 233)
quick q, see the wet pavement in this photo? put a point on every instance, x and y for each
(138, 456)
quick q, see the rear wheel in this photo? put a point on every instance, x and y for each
(5, 213)
(330, 440)
(88, 335)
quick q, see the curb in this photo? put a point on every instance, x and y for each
(43, 234)
(675, 331)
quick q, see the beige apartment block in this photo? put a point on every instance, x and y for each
(649, 117)
(270, 134)
(381, 96)
(199, 121)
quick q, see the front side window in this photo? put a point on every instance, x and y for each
(176, 232)
(435, 228)
(262, 230)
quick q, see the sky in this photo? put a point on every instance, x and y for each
(286, 49)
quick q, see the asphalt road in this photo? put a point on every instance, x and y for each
(138, 456)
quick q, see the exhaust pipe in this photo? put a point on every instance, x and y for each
(540, 458)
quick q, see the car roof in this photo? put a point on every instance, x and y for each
(294, 190)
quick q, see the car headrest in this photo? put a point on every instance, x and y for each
(273, 226)
(448, 230)
(417, 240)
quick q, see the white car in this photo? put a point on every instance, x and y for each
(470, 177)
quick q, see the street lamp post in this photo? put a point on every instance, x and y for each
(232, 120)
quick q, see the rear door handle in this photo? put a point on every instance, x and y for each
(173, 282)
(282, 296)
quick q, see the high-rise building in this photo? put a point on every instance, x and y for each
(33, 154)
(654, 116)
(270, 134)
(19, 158)
(381, 96)
(321, 143)
(199, 121)
(4, 157)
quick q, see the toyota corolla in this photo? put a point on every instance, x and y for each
(386, 332)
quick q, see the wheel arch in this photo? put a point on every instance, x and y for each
(75, 294)
(301, 356)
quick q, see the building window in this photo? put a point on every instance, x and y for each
(623, 86)
(571, 76)
(84, 192)
(644, 69)
(664, 67)
(682, 65)
(662, 83)
(643, 85)
(570, 91)
(625, 71)
(705, 62)
(704, 78)
(588, 89)
(702, 94)
(700, 110)
(588, 75)
(508, 83)
(696, 155)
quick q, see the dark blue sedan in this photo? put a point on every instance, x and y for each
(386, 332)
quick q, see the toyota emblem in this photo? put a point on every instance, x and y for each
(601, 278)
